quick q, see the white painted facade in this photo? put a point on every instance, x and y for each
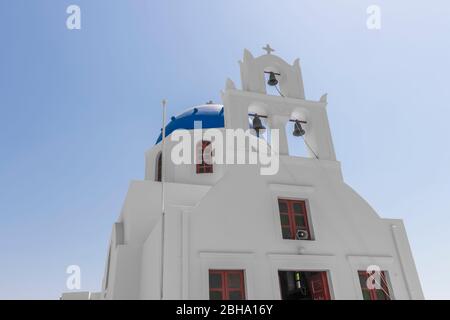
(229, 219)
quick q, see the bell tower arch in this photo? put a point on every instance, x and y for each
(253, 74)
(290, 105)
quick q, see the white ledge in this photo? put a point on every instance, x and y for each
(217, 254)
(291, 188)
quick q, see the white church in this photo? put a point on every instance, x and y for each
(206, 230)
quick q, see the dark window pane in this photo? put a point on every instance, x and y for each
(284, 219)
(286, 233)
(283, 206)
(363, 279)
(234, 280)
(303, 285)
(300, 221)
(215, 295)
(159, 167)
(366, 295)
(235, 295)
(215, 280)
(203, 158)
(381, 295)
(298, 207)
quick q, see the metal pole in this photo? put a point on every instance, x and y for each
(163, 214)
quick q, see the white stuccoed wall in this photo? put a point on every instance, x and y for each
(230, 219)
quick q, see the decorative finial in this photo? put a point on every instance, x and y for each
(268, 49)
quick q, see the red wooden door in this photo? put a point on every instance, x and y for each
(318, 286)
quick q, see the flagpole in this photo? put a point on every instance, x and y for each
(163, 213)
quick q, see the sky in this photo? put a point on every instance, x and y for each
(78, 109)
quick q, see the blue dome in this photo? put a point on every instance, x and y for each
(211, 116)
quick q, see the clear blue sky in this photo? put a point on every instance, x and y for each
(78, 109)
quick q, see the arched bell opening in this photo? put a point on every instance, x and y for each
(298, 129)
(258, 121)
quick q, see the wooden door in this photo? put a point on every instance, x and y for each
(318, 286)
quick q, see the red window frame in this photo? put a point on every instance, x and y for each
(202, 166)
(322, 291)
(224, 288)
(291, 225)
(374, 294)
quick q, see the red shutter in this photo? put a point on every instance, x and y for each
(318, 285)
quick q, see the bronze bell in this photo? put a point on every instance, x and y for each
(272, 79)
(298, 130)
(257, 124)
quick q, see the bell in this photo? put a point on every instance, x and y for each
(298, 130)
(272, 79)
(257, 124)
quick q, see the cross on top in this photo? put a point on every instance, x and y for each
(268, 49)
